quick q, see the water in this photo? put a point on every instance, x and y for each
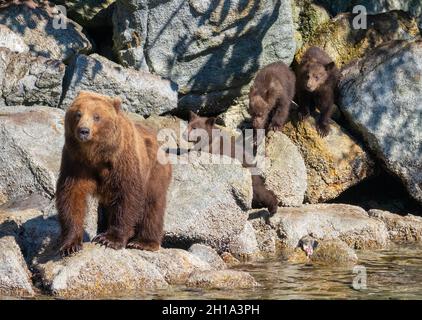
(393, 273)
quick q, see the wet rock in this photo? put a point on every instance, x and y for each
(30, 153)
(29, 80)
(327, 221)
(207, 200)
(388, 80)
(15, 278)
(245, 245)
(229, 259)
(46, 32)
(284, 170)
(224, 279)
(12, 40)
(400, 228)
(208, 255)
(345, 43)
(140, 91)
(188, 41)
(329, 252)
(334, 163)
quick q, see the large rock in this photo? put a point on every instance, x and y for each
(344, 43)
(245, 245)
(284, 170)
(30, 152)
(15, 278)
(140, 91)
(101, 272)
(324, 221)
(334, 163)
(28, 80)
(88, 13)
(207, 200)
(400, 228)
(203, 46)
(38, 29)
(380, 97)
(12, 41)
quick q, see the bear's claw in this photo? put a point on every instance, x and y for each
(143, 246)
(70, 249)
(102, 239)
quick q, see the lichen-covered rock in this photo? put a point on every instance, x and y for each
(380, 97)
(334, 163)
(32, 140)
(307, 17)
(15, 278)
(245, 245)
(400, 228)
(345, 43)
(203, 46)
(140, 91)
(207, 200)
(38, 28)
(29, 80)
(12, 41)
(224, 279)
(88, 13)
(284, 170)
(328, 221)
(209, 255)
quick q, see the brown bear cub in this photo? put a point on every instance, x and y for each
(270, 97)
(262, 197)
(317, 81)
(111, 158)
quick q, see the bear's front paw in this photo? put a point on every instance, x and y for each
(323, 130)
(70, 248)
(109, 241)
(303, 115)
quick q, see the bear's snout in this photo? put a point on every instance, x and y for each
(84, 134)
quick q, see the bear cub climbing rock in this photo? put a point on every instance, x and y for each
(271, 96)
(317, 81)
(111, 158)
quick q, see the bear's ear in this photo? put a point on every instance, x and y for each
(192, 115)
(330, 66)
(117, 104)
(210, 122)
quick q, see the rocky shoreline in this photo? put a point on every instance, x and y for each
(210, 225)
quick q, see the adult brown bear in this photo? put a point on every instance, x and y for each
(108, 156)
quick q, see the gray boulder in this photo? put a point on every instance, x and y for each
(245, 245)
(223, 279)
(203, 46)
(405, 229)
(12, 41)
(38, 28)
(284, 170)
(209, 255)
(207, 200)
(380, 97)
(15, 278)
(32, 140)
(140, 91)
(325, 221)
(29, 80)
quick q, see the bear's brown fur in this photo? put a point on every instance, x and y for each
(107, 156)
(317, 81)
(262, 197)
(271, 96)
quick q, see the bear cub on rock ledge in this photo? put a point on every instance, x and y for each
(111, 158)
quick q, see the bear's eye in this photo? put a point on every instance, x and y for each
(78, 115)
(96, 117)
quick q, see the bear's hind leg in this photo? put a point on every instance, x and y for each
(149, 231)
